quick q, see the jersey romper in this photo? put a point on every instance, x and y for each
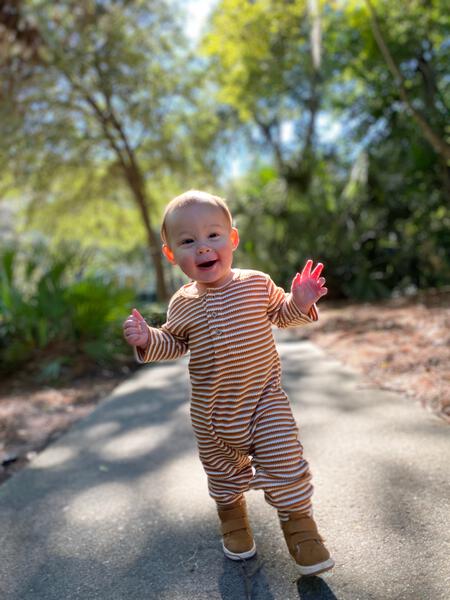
(246, 434)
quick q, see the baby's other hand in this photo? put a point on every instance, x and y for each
(307, 287)
(135, 329)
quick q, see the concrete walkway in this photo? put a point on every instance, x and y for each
(118, 509)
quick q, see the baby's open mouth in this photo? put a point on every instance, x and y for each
(207, 265)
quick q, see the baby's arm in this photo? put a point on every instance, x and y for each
(151, 344)
(283, 311)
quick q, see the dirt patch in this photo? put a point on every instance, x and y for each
(401, 345)
(32, 415)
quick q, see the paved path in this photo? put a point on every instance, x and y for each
(117, 509)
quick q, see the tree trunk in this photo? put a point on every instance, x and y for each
(134, 179)
(130, 168)
(29, 38)
(300, 176)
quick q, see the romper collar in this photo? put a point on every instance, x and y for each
(184, 291)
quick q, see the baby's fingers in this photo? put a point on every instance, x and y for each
(306, 271)
(130, 324)
(317, 271)
(296, 281)
(137, 314)
(130, 328)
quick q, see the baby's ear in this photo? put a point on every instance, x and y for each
(168, 253)
(234, 237)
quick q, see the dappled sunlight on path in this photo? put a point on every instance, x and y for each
(118, 507)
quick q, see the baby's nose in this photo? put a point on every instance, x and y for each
(203, 249)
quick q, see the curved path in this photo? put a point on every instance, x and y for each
(117, 509)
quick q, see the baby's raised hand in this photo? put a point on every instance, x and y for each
(307, 287)
(135, 329)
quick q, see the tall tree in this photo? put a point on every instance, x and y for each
(377, 205)
(266, 57)
(108, 88)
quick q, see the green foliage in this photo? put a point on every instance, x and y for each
(107, 116)
(371, 245)
(154, 313)
(50, 319)
(114, 87)
(375, 205)
(97, 308)
(245, 41)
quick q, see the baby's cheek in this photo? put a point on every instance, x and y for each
(222, 245)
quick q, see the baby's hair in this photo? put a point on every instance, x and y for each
(193, 197)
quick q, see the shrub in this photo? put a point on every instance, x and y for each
(50, 317)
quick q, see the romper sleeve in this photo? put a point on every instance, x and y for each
(167, 342)
(282, 310)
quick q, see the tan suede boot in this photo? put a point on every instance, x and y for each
(306, 544)
(238, 542)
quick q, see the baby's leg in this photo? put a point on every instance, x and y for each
(227, 488)
(283, 474)
(228, 469)
(281, 470)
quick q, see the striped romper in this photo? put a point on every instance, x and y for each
(241, 417)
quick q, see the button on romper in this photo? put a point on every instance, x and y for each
(246, 434)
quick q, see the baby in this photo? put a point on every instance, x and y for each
(245, 431)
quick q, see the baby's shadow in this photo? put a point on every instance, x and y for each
(244, 579)
(247, 579)
(314, 588)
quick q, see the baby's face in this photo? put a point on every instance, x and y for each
(201, 242)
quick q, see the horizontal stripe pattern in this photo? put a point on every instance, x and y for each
(246, 434)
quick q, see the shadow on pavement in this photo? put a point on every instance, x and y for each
(115, 509)
(248, 580)
(314, 588)
(245, 579)
(110, 443)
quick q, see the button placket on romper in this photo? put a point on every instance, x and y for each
(224, 481)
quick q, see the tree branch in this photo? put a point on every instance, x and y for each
(266, 129)
(439, 145)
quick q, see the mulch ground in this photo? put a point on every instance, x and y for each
(401, 345)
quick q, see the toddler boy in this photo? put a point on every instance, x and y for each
(245, 431)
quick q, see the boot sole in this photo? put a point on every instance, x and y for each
(316, 569)
(241, 555)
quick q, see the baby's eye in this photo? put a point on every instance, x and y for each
(187, 241)
(213, 235)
